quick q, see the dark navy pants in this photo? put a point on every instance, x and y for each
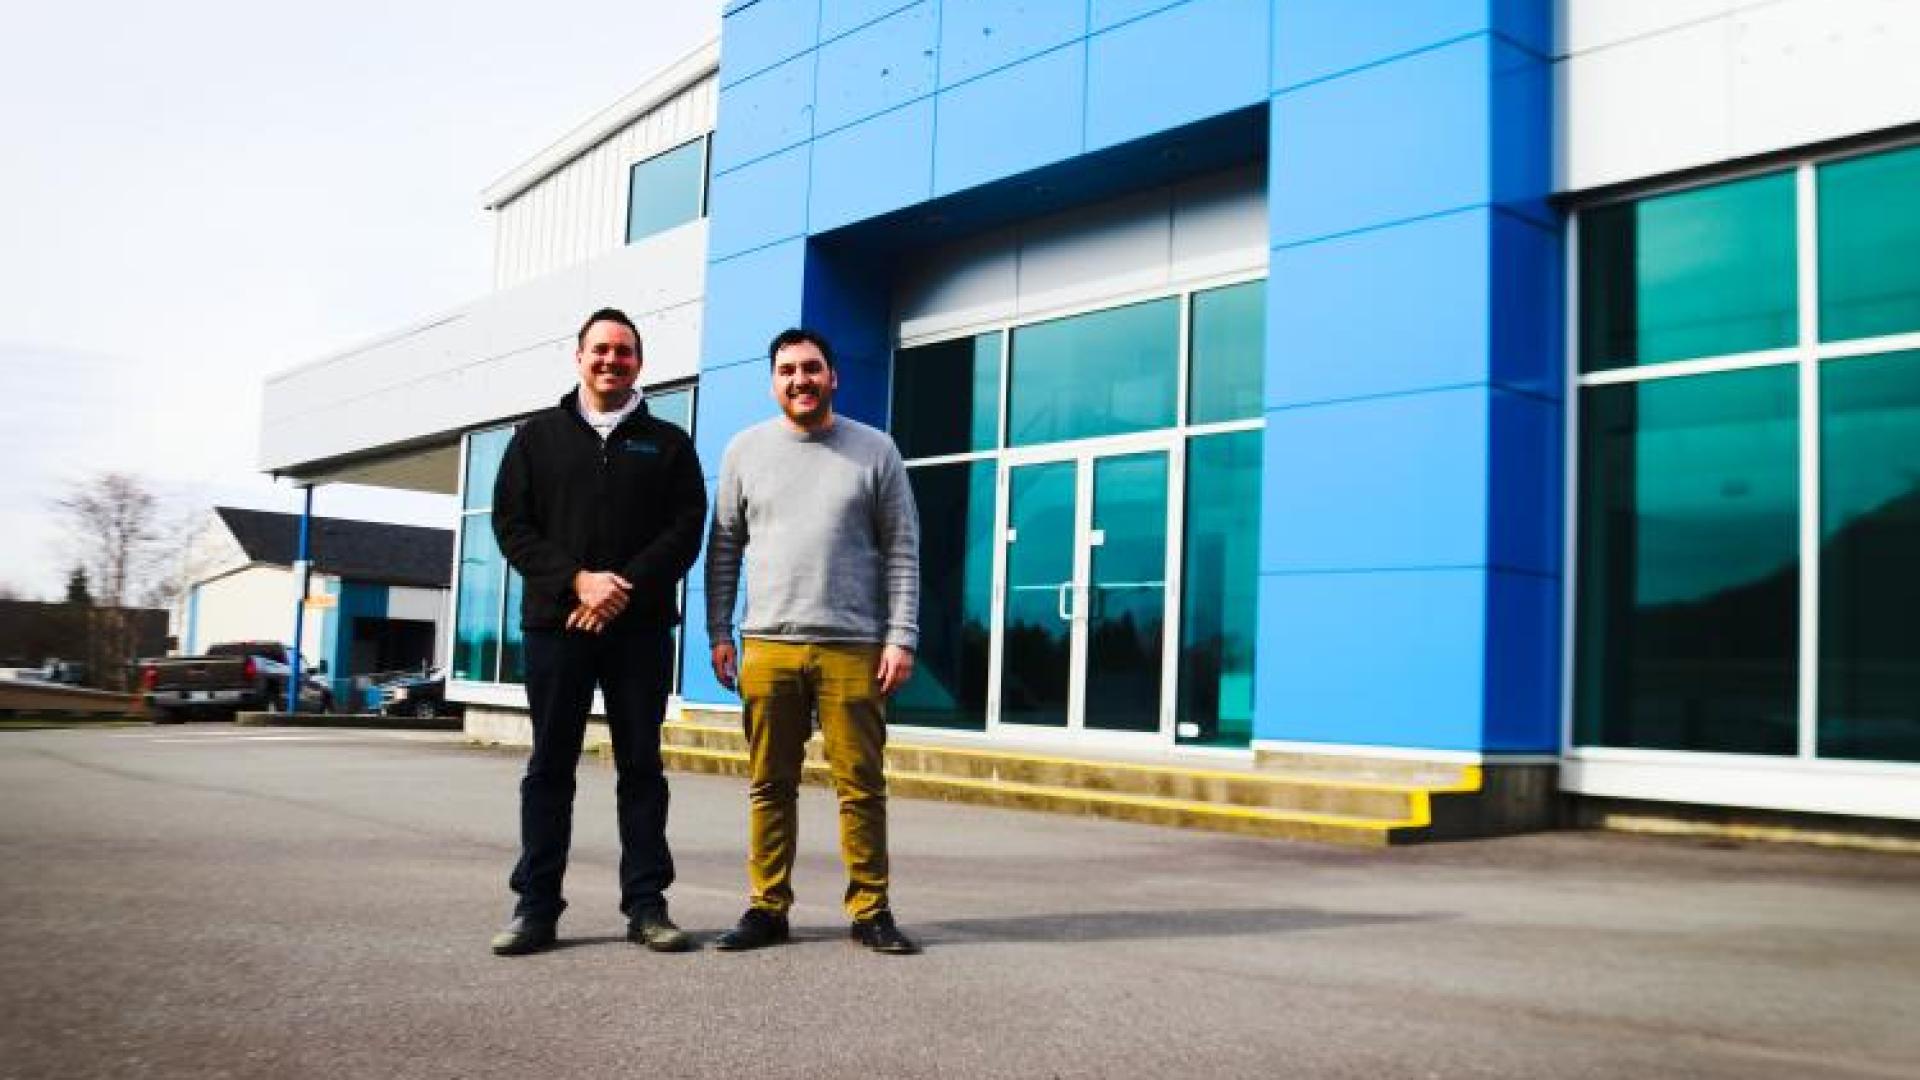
(632, 671)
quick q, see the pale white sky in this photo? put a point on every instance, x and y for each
(198, 193)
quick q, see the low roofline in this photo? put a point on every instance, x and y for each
(679, 75)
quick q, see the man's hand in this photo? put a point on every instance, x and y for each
(584, 619)
(726, 665)
(602, 592)
(896, 667)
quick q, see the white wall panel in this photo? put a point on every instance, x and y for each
(579, 210)
(1585, 25)
(1649, 87)
(256, 604)
(1159, 240)
(509, 354)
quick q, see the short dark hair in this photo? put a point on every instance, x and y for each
(607, 314)
(796, 335)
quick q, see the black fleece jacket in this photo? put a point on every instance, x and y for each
(565, 502)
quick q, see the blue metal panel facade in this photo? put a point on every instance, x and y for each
(1410, 565)
(1413, 384)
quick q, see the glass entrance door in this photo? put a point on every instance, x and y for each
(1081, 640)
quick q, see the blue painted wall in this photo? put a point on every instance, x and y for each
(1411, 555)
(1411, 551)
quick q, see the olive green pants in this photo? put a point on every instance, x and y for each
(782, 685)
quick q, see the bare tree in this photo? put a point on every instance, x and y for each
(123, 540)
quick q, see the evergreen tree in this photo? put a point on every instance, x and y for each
(77, 590)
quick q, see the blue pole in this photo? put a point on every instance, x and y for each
(302, 573)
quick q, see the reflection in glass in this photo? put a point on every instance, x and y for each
(484, 451)
(1706, 272)
(673, 406)
(1229, 353)
(665, 190)
(1218, 620)
(513, 653)
(946, 397)
(1037, 640)
(476, 640)
(1689, 564)
(1127, 596)
(1103, 373)
(1870, 558)
(949, 684)
(1870, 246)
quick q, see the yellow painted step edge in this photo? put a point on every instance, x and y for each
(1470, 775)
(1221, 810)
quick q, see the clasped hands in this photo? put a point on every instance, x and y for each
(603, 596)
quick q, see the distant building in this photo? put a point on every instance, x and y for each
(383, 589)
(1532, 385)
(33, 633)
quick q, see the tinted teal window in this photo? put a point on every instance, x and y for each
(1036, 667)
(1219, 623)
(1870, 246)
(1706, 272)
(1126, 594)
(946, 397)
(673, 406)
(667, 190)
(949, 685)
(484, 451)
(1870, 558)
(1104, 373)
(1229, 353)
(513, 651)
(1689, 564)
(477, 585)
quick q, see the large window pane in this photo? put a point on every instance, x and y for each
(1104, 373)
(484, 451)
(673, 406)
(1707, 272)
(949, 684)
(513, 651)
(1126, 593)
(946, 397)
(1689, 564)
(1229, 353)
(665, 190)
(476, 639)
(1870, 558)
(1870, 246)
(1218, 617)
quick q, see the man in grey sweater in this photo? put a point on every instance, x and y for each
(820, 506)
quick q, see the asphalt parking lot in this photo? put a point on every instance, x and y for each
(209, 901)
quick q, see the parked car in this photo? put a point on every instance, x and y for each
(421, 694)
(231, 677)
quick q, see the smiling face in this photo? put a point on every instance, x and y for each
(609, 361)
(803, 385)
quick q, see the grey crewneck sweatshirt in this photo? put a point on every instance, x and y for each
(831, 538)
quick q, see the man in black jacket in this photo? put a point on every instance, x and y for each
(599, 506)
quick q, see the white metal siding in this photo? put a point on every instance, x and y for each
(580, 210)
(256, 604)
(1649, 87)
(509, 354)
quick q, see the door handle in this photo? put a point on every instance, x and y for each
(1060, 598)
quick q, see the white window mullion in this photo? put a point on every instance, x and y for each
(1808, 235)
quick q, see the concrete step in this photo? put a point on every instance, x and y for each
(1322, 807)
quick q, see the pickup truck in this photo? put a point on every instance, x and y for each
(235, 676)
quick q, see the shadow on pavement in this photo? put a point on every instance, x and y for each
(1137, 925)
